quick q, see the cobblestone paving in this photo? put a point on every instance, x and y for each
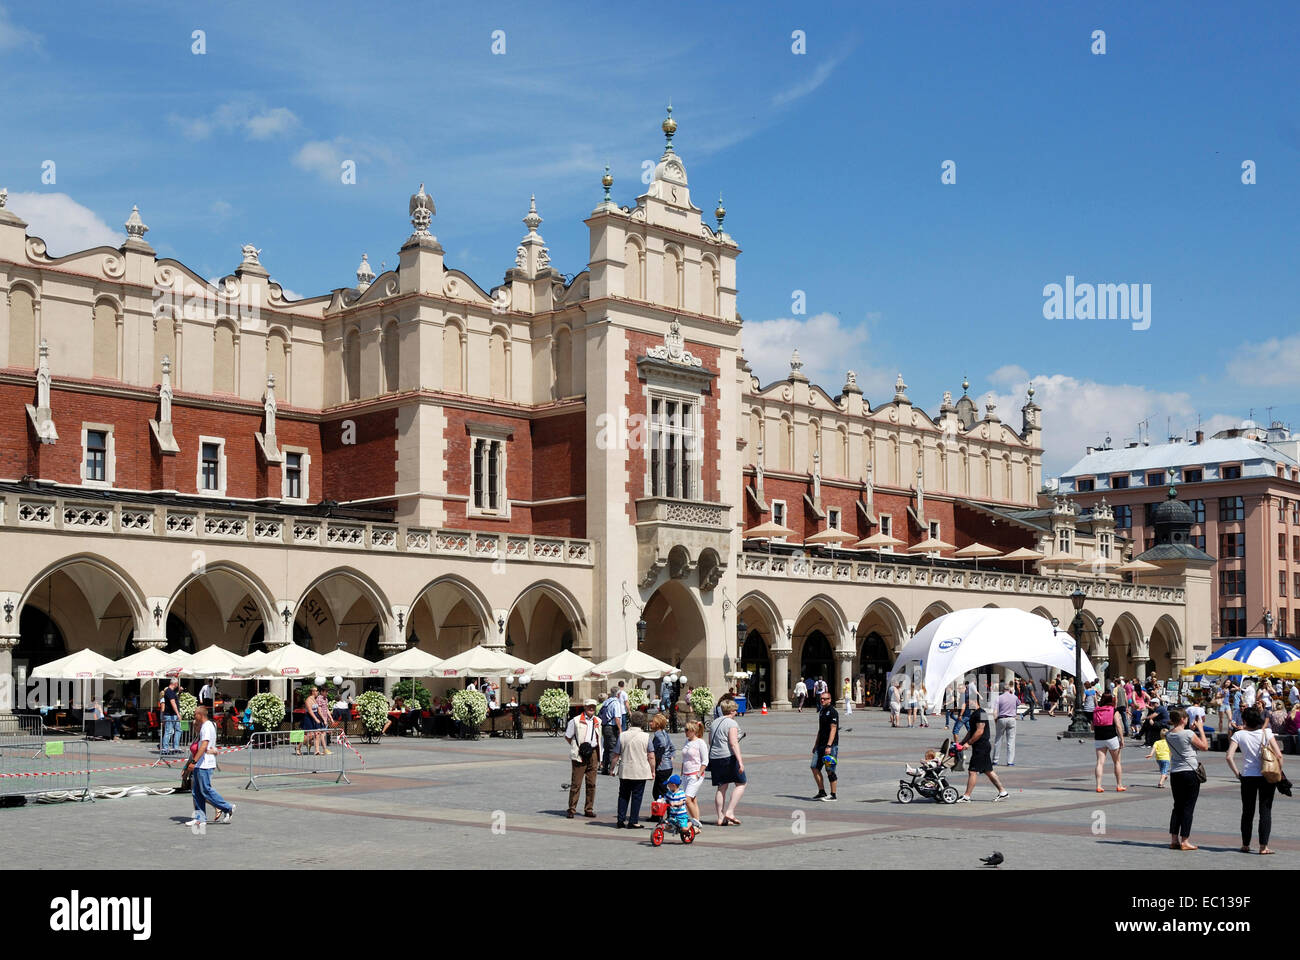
(495, 802)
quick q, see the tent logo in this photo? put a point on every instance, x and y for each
(949, 644)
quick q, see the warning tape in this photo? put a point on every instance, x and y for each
(132, 766)
(343, 739)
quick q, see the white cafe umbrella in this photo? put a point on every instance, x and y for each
(350, 665)
(766, 531)
(565, 667)
(965, 640)
(633, 664)
(483, 661)
(975, 551)
(290, 660)
(211, 663)
(1022, 554)
(82, 665)
(878, 541)
(147, 664)
(411, 662)
(1135, 567)
(930, 545)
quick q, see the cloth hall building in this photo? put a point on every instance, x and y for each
(537, 464)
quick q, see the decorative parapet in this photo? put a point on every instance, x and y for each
(22, 511)
(943, 578)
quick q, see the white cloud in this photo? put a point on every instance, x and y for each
(1270, 363)
(65, 225)
(805, 87)
(13, 37)
(254, 121)
(324, 157)
(1080, 412)
(827, 347)
(221, 208)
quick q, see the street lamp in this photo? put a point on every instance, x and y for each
(742, 630)
(517, 686)
(641, 626)
(1079, 726)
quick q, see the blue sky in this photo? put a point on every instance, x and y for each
(1121, 168)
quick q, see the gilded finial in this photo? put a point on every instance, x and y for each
(607, 181)
(965, 385)
(721, 212)
(669, 127)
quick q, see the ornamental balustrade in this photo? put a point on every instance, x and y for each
(856, 571)
(163, 522)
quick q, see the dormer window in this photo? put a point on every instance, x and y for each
(1086, 485)
(1119, 481)
(1155, 478)
(1230, 471)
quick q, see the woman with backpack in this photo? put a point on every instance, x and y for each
(1259, 775)
(1105, 734)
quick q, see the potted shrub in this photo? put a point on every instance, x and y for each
(373, 708)
(637, 698)
(413, 692)
(702, 702)
(554, 706)
(469, 708)
(266, 711)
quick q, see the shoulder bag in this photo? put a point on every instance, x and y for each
(1269, 765)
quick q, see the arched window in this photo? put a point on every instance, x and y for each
(672, 277)
(392, 357)
(497, 362)
(223, 359)
(784, 440)
(352, 365)
(563, 363)
(633, 271)
(105, 340)
(22, 328)
(452, 364)
(709, 287)
(277, 362)
(164, 344)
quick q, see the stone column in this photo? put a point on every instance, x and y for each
(1141, 654)
(8, 690)
(845, 658)
(781, 667)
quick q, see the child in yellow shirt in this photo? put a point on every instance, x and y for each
(1160, 750)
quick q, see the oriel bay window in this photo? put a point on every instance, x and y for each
(675, 447)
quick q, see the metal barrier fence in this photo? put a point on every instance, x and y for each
(24, 727)
(30, 767)
(289, 753)
(185, 736)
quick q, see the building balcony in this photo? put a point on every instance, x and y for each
(682, 537)
(66, 514)
(882, 573)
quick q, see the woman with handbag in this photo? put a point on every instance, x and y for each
(1259, 775)
(1185, 775)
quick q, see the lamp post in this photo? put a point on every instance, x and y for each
(518, 687)
(1079, 727)
(742, 629)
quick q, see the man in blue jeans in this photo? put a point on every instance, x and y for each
(205, 761)
(171, 718)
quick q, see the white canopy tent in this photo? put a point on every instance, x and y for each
(411, 662)
(632, 665)
(963, 641)
(483, 661)
(565, 667)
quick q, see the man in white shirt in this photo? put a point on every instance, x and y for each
(800, 694)
(205, 695)
(583, 737)
(204, 762)
(1247, 694)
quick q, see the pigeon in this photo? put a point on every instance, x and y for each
(992, 861)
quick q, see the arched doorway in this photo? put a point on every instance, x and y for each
(755, 660)
(675, 632)
(818, 659)
(875, 663)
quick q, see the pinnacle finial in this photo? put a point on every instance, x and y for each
(532, 219)
(965, 385)
(135, 227)
(669, 127)
(721, 212)
(1031, 391)
(365, 273)
(607, 181)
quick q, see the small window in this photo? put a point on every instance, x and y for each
(1232, 583)
(1232, 621)
(833, 518)
(1281, 511)
(1123, 516)
(1155, 478)
(1231, 508)
(488, 494)
(934, 529)
(210, 469)
(1281, 622)
(1232, 545)
(778, 516)
(1295, 548)
(1064, 543)
(1119, 481)
(1196, 539)
(1295, 511)
(1193, 475)
(1295, 584)
(886, 524)
(1087, 485)
(1198, 510)
(96, 456)
(293, 476)
(1281, 583)
(1231, 473)
(1281, 546)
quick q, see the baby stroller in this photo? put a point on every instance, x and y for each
(928, 780)
(669, 823)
